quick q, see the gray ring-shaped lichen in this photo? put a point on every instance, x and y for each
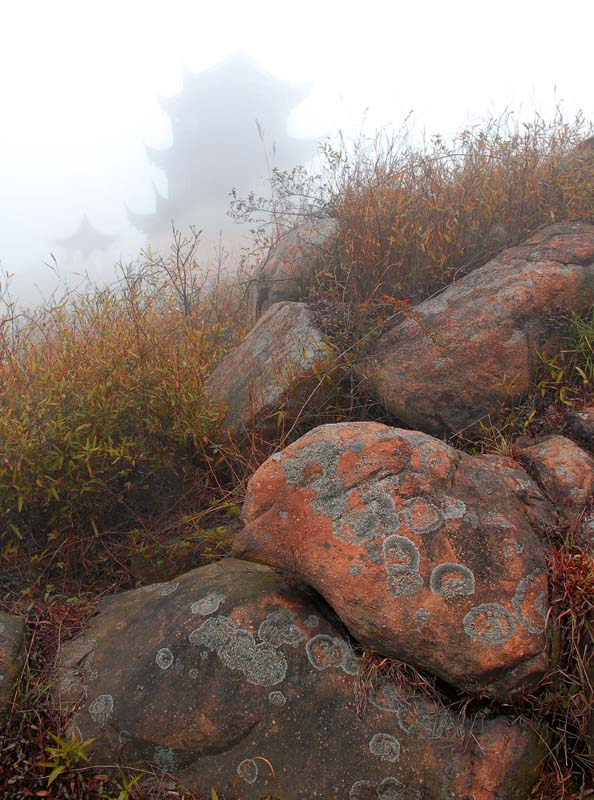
(452, 580)
(400, 554)
(539, 607)
(489, 622)
(248, 770)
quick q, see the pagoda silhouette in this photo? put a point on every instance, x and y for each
(85, 240)
(224, 123)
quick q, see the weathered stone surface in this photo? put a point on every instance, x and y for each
(226, 668)
(539, 511)
(580, 423)
(12, 656)
(566, 473)
(287, 271)
(460, 354)
(563, 469)
(425, 553)
(275, 363)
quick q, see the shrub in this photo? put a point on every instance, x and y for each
(102, 413)
(413, 218)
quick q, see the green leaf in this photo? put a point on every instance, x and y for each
(213, 794)
(55, 772)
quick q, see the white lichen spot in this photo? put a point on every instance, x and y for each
(362, 790)
(262, 664)
(277, 698)
(248, 770)
(208, 605)
(2, 628)
(312, 621)
(87, 665)
(401, 562)
(325, 651)
(421, 618)
(213, 633)
(165, 589)
(279, 628)
(70, 682)
(164, 658)
(385, 746)
(435, 723)
(101, 709)
(420, 515)
(490, 623)
(452, 508)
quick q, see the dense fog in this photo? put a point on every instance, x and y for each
(119, 117)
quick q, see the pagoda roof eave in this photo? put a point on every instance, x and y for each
(289, 94)
(160, 157)
(85, 239)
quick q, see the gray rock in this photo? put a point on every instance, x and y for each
(276, 363)
(12, 656)
(286, 273)
(458, 356)
(220, 677)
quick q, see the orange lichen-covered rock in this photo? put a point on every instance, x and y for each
(226, 672)
(563, 469)
(460, 354)
(566, 474)
(425, 553)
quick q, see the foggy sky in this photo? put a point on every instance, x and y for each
(81, 83)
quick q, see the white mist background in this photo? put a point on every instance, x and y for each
(81, 80)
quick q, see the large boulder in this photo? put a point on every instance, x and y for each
(226, 673)
(459, 355)
(12, 656)
(287, 271)
(425, 553)
(279, 363)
